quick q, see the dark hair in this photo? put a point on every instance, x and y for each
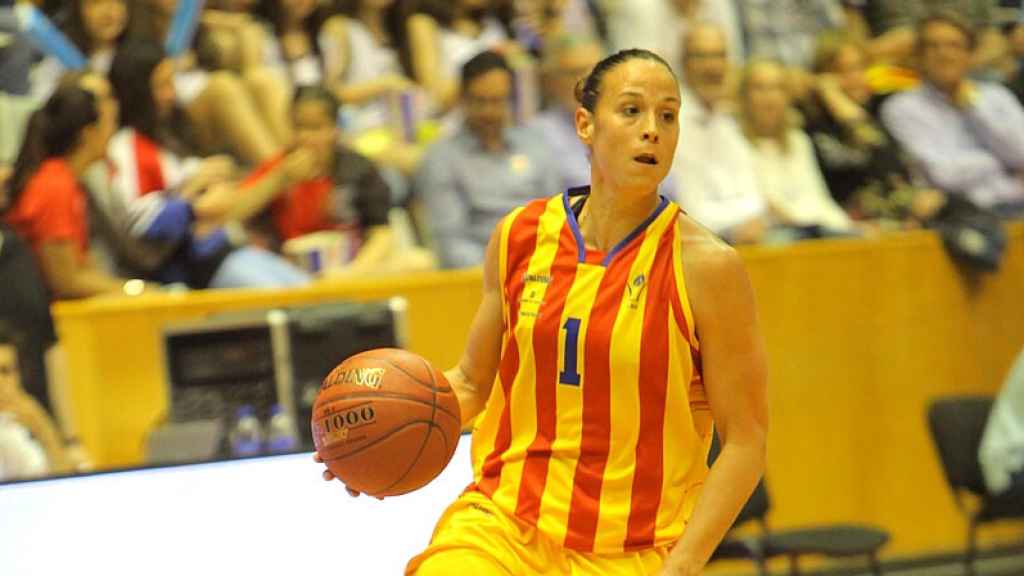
(273, 13)
(75, 30)
(946, 17)
(317, 94)
(130, 76)
(588, 89)
(53, 130)
(481, 64)
(8, 336)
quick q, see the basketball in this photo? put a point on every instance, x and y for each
(386, 422)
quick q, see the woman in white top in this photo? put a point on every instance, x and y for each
(95, 27)
(443, 36)
(788, 175)
(365, 68)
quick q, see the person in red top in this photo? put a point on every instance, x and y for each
(47, 207)
(346, 193)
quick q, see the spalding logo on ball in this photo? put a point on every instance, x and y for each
(386, 422)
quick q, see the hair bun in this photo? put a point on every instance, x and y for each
(578, 90)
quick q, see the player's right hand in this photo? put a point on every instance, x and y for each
(328, 476)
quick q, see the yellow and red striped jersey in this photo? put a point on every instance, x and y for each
(597, 428)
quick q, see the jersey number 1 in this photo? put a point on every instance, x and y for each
(569, 374)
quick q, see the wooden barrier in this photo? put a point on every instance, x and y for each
(861, 336)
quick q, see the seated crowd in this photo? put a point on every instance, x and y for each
(393, 134)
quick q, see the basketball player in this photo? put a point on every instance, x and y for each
(613, 331)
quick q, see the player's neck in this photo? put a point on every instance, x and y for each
(608, 217)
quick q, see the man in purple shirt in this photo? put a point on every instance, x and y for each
(967, 136)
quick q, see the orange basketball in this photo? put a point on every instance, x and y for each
(386, 422)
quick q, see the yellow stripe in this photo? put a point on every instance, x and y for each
(506, 229)
(554, 509)
(627, 333)
(524, 390)
(677, 432)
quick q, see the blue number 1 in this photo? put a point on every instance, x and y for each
(569, 375)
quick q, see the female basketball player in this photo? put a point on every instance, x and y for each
(614, 330)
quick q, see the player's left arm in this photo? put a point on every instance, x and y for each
(735, 379)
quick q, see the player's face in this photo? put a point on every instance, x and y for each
(9, 376)
(161, 82)
(487, 104)
(315, 130)
(633, 131)
(104, 20)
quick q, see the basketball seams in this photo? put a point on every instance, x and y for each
(426, 435)
(381, 438)
(432, 386)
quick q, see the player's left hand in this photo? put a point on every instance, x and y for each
(328, 476)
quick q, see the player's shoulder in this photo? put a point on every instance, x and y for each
(707, 259)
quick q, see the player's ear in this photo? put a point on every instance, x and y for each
(585, 125)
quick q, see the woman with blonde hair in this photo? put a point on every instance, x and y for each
(787, 171)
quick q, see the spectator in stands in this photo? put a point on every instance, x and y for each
(344, 192)
(1001, 453)
(96, 27)
(227, 110)
(181, 217)
(46, 204)
(541, 22)
(1015, 75)
(714, 167)
(964, 134)
(364, 71)
(566, 60)
(661, 25)
(786, 30)
(863, 166)
(788, 175)
(472, 178)
(891, 26)
(444, 35)
(364, 68)
(296, 43)
(30, 444)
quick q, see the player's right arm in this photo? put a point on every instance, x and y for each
(473, 376)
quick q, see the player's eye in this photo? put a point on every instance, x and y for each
(630, 110)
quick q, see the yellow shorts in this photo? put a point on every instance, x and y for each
(475, 537)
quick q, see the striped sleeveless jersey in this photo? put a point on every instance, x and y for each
(597, 428)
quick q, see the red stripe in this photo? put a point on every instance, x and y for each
(546, 333)
(653, 381)
(684, 326)
(522, 241)
(585, 505)
(147, 163)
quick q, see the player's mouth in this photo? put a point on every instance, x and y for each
(649, 159)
